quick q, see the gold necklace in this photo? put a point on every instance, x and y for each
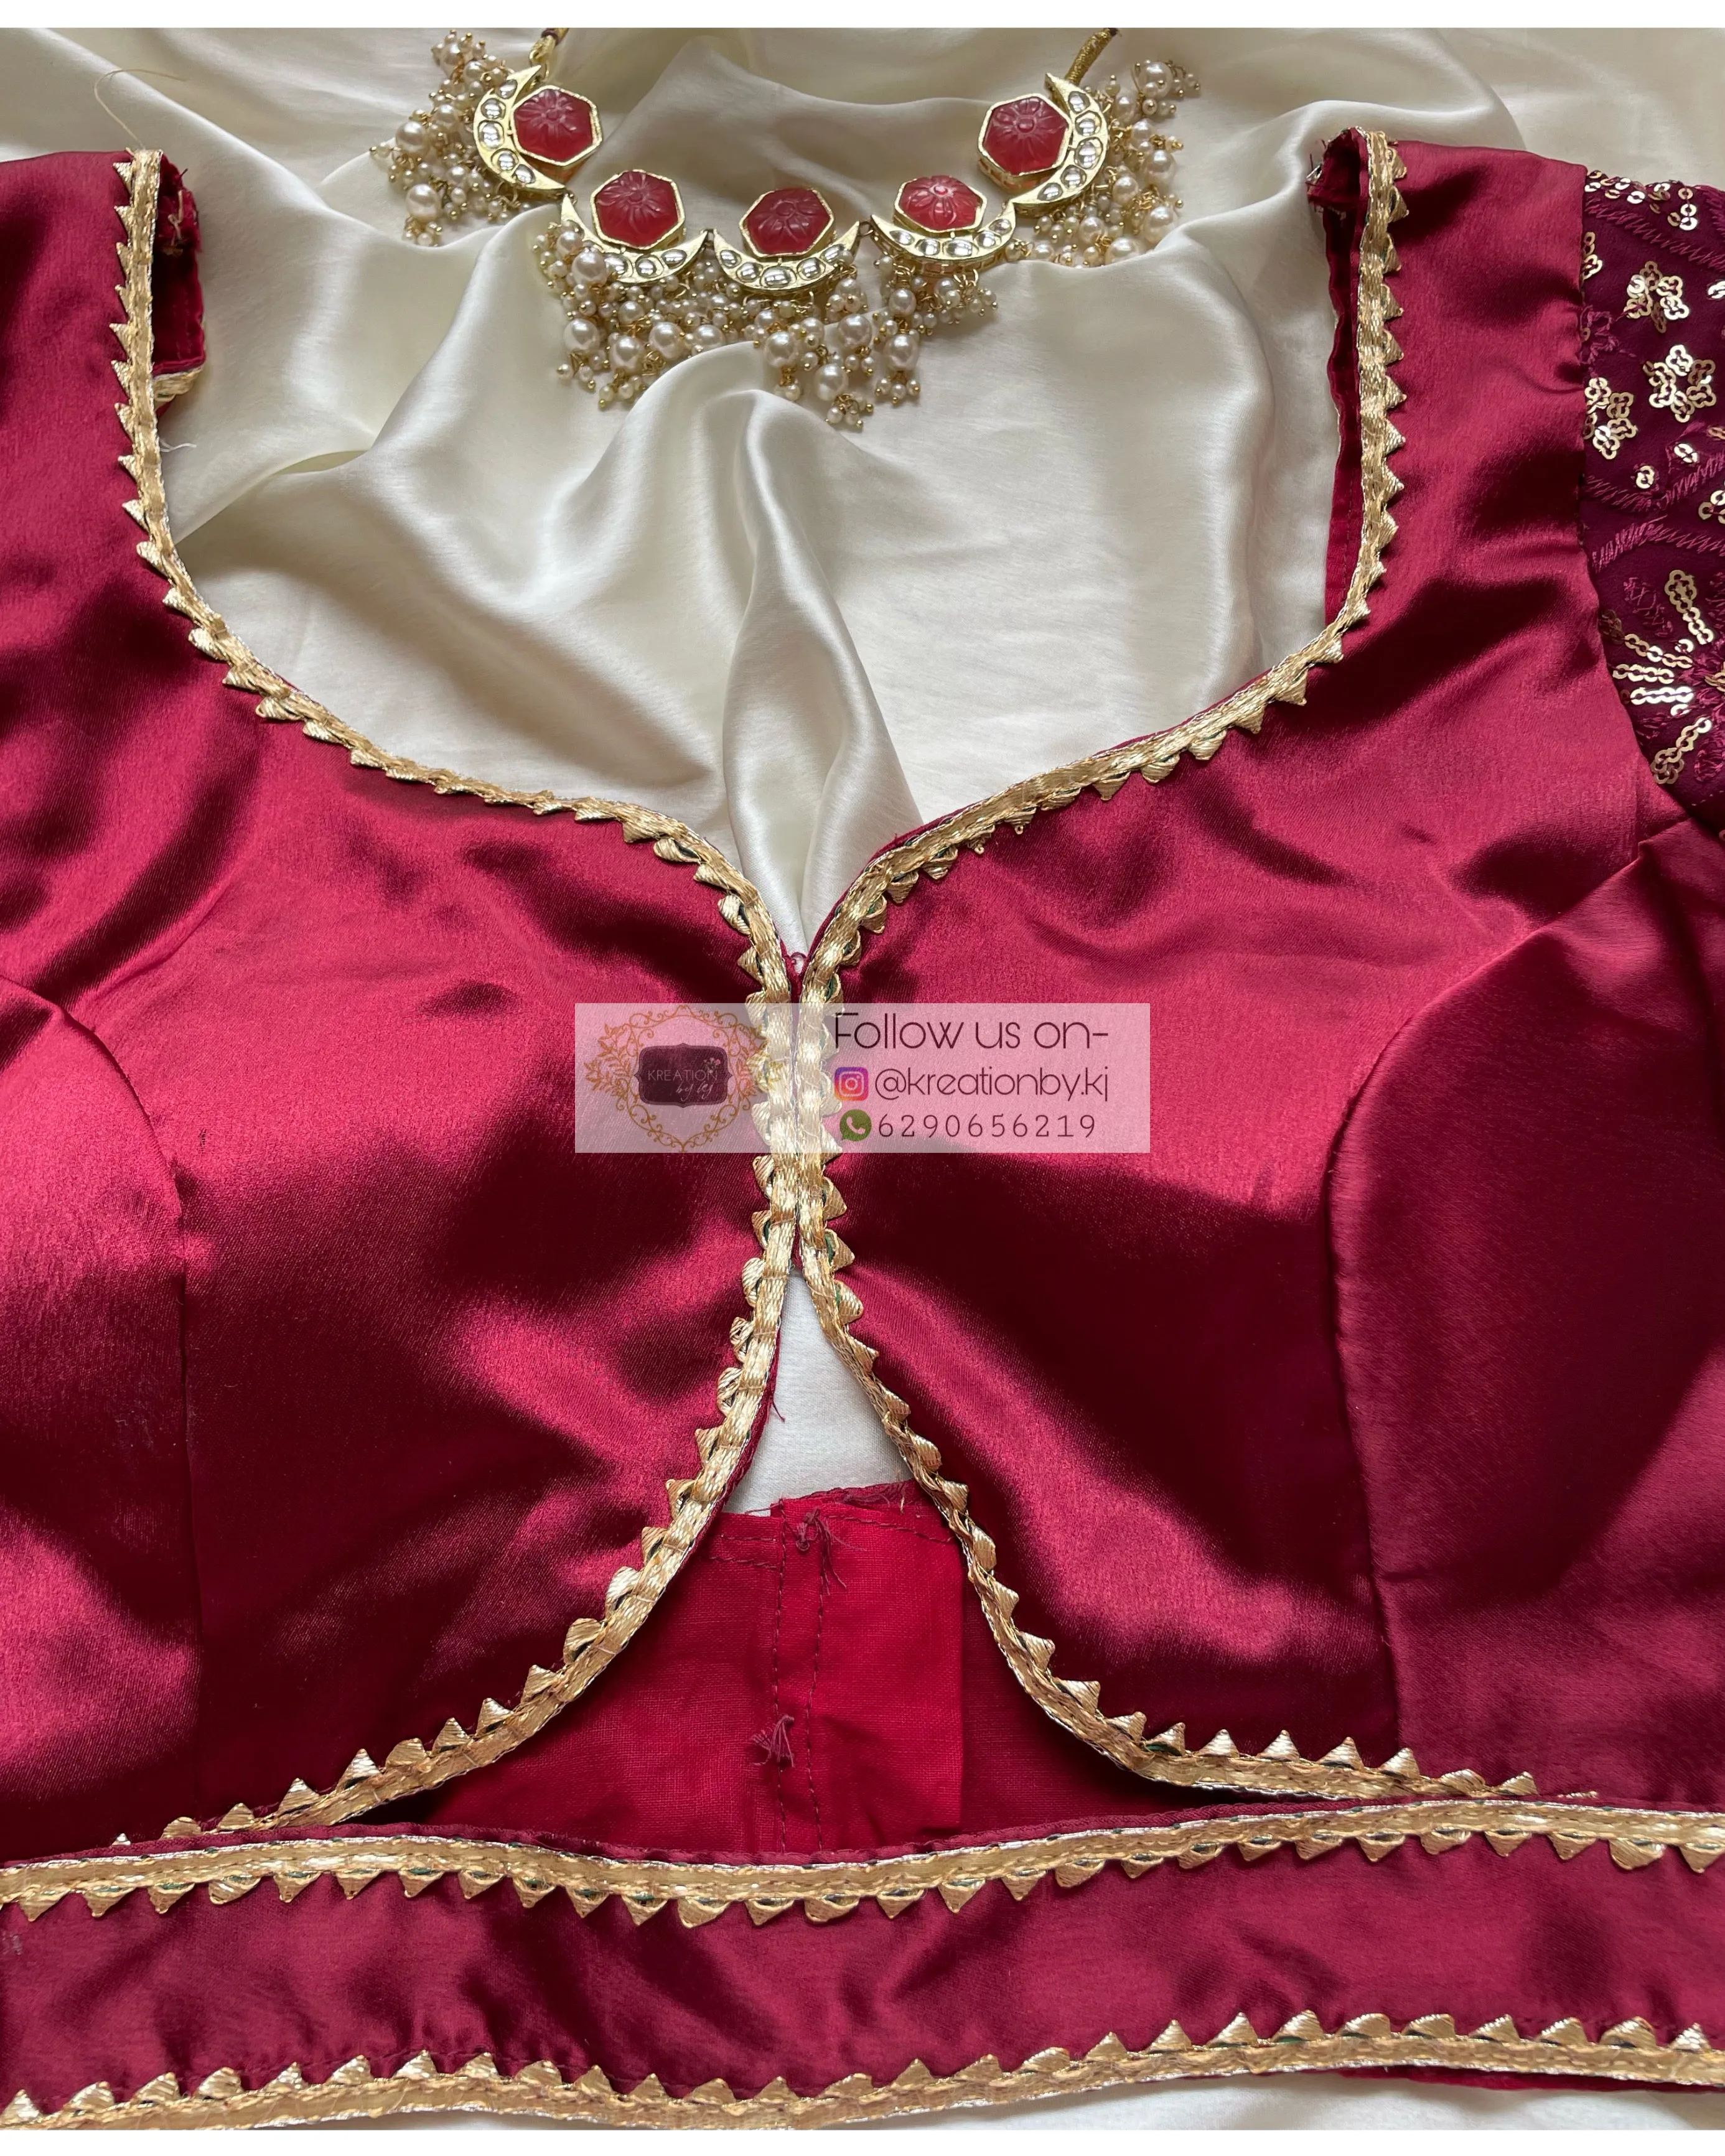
(1085, 174)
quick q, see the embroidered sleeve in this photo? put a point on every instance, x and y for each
(1653, 486)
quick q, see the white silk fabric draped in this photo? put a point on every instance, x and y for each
(1107, 509)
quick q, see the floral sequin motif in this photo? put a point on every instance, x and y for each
(1609, 423)
(1660, 197)
(1668, 674)
(1653, 513)
(1682, 384)
(1656, 298)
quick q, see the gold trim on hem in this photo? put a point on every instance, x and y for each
(1074, 1703)
(1629, 2050)
(590, 1644)
(826, 1890)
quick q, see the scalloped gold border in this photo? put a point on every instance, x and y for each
(590, 1644)
(1628, 2051)
(827, 1890)
(1074, 1703)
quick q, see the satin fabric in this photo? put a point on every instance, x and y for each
(251, 1985)
(919, 1738)
(385, 436)
(859, 1703)
(1130, 1361)
(848, 1638)
(1526, 1218)
(1590, 854)
(335, 1382)
(386, 489)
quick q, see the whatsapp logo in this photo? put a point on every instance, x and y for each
(855, 1125)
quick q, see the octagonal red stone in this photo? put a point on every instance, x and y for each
(1025, 138)
(938, 203)
(555, 127)
(789, 221)
(637, 209)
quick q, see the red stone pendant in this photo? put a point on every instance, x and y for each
(789, 221)
(1023, 141)
(937, 203)
(638, 210)
(640, 294)
(554, 129)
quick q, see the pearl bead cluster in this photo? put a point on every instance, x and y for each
(616, 336)
(836, 351)
(432, 160)
(830, 347)
(849, 357)
(1131, 208)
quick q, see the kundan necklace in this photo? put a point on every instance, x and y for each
(1084, 173)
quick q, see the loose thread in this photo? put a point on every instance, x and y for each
(774, 1744)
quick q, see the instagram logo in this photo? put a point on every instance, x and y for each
(851, 1084)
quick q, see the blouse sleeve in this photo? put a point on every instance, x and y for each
(1652, 335)
(118, 763)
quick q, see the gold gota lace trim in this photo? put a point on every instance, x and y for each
(1628, 2051)
(1075, 1702)
(826, 1891)
(164, 387)
(590, 1643)
(412, 1765)
(893, 874)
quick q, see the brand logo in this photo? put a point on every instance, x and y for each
(799, 1080)
(676, 1078)
(682, 1075)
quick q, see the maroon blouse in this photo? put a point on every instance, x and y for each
(1342, 1477)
